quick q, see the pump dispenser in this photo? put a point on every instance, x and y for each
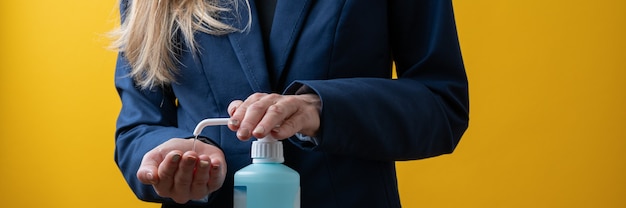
(209, 122)
(266, 183)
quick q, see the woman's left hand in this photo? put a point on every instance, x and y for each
(280, 116)
(177, 172)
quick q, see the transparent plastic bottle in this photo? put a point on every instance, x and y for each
(267, 183)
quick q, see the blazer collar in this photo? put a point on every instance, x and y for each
(289, 17)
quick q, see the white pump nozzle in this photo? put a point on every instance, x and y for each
(209, 122)
(264, 150)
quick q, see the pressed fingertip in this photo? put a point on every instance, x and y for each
(259, 130)
(243, 134)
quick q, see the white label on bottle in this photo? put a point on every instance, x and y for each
(239, 196)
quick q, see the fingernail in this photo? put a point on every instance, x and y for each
(191, 160)
(176, 158)
(243, 133)
(233, 122)
(204, 163)
(259, 130)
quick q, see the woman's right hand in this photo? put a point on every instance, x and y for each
(177, 172)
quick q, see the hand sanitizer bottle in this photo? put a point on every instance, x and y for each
(267, 183)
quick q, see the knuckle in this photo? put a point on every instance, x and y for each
(239, 113)
(290, 99)
(276, 108)
(257, 96)
(273, 96)
(256, 107)
(270, 98)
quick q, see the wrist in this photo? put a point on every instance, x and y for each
(206, 140)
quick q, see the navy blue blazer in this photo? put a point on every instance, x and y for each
(342, 50)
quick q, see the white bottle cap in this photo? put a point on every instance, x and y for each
(267, 150)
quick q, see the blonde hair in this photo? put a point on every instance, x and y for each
(148, 36)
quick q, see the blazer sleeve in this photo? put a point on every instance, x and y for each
(421, 114)
(147, 119)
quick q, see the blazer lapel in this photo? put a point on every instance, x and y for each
(289, 18)
(248, 47)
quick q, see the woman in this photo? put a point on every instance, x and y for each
(316, 74)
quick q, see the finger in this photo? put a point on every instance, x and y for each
(217, 169)
(274, 117)
(199, 185)
(251, 111)
(305, 123)
(237, 110)
(166, 172)
(232, 107)
(233, 122)
(184, 177)
(304, 119)
(216, 174)
(147, 172)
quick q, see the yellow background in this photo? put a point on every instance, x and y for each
(547, 127)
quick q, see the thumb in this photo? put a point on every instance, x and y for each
(147, 172)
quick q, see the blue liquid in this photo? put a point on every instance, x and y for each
(267, 185)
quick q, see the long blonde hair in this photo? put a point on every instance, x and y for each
(148, 35)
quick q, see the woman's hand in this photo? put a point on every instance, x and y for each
(281, 116)
(176, 172)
